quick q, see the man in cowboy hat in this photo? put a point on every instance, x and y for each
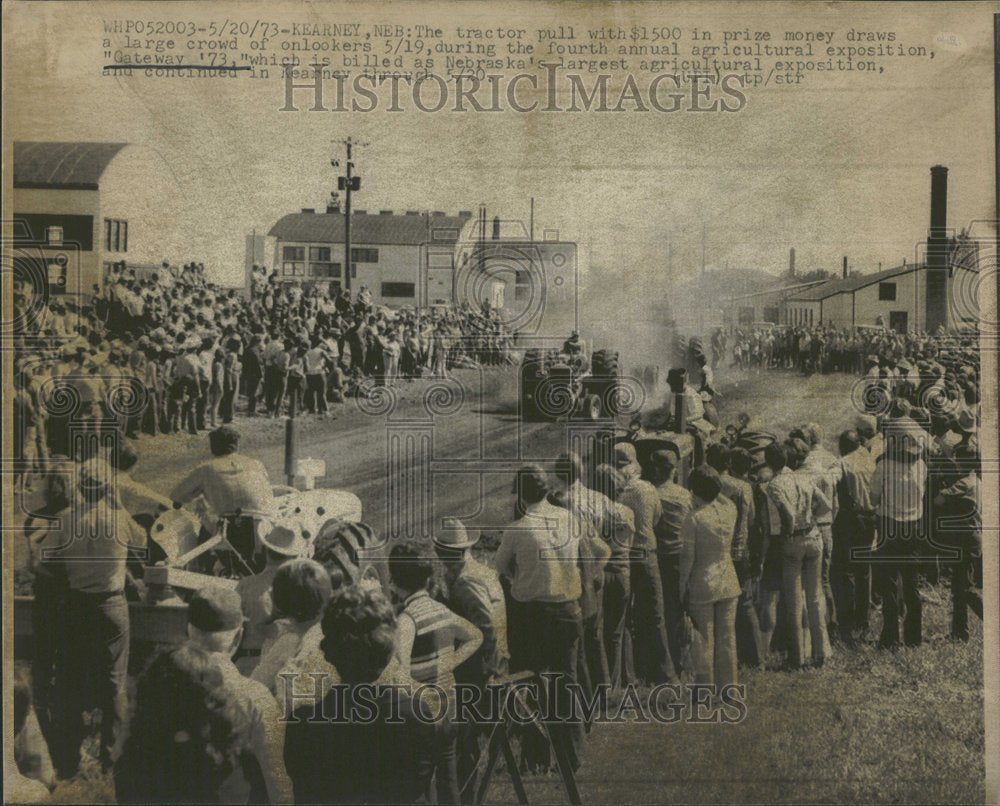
(280, 543)
(475, 594)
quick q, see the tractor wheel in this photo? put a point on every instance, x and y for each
(604, 363)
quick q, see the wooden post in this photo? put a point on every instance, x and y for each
(291, 444)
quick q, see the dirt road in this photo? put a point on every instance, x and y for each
(469, 447)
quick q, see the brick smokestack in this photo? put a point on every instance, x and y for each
(937, 251)
(845, 267)
(791, 262)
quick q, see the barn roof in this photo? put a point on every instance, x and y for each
(69, 166)
(369, 228)
(850, 284)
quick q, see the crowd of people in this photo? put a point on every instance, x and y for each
(821, 348)
(191, 352)
(612, 573)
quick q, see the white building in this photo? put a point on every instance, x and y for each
(403, 259)
(79, 207)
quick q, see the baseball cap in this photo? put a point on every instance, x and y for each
(215, 609)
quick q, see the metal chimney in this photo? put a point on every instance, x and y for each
(937, 251)
(845, 267)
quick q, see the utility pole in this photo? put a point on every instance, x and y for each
(348, 183)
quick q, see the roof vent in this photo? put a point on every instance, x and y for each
(385, 212)
(413, 212)
(439, 212)
(308, 209)
(360, 212)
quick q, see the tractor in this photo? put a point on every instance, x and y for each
(555, 385)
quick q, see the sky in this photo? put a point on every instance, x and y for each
(837, 166)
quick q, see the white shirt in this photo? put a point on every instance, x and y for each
(898, 489)
(539, 554)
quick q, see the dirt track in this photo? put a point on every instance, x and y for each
(473, 445)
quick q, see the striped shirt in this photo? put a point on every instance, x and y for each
(433, 640)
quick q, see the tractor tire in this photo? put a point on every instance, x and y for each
(605, 363)
(591, 408)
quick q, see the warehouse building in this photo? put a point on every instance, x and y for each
(895, 298)
(942, 291)
(80, 207)
(765, 306)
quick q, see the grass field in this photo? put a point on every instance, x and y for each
(870, 726)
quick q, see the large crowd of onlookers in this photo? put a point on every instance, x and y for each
(612, 572)
(196, 354)
(822, 348)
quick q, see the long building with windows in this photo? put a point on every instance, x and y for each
(402, 258)
(80, 207)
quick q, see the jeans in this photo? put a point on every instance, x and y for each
(95, 671)
(545, 637)
(316, 393)
(673, 609)
(898, 564)
(617, 591)
(227, 405)
(750, 650)
(252, 391)
(851, 579)
(803, 555)
(715, 653)
(826, 532)
(964, 596)
(652, 653)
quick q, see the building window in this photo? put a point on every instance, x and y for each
(56, 270)
(324, 269)
(54, 236)
(364, 255)
(293, 268)
(115, 235)
(522, 285)
(398, 289)
(293, 253)
(887, 292)
(319, 254)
